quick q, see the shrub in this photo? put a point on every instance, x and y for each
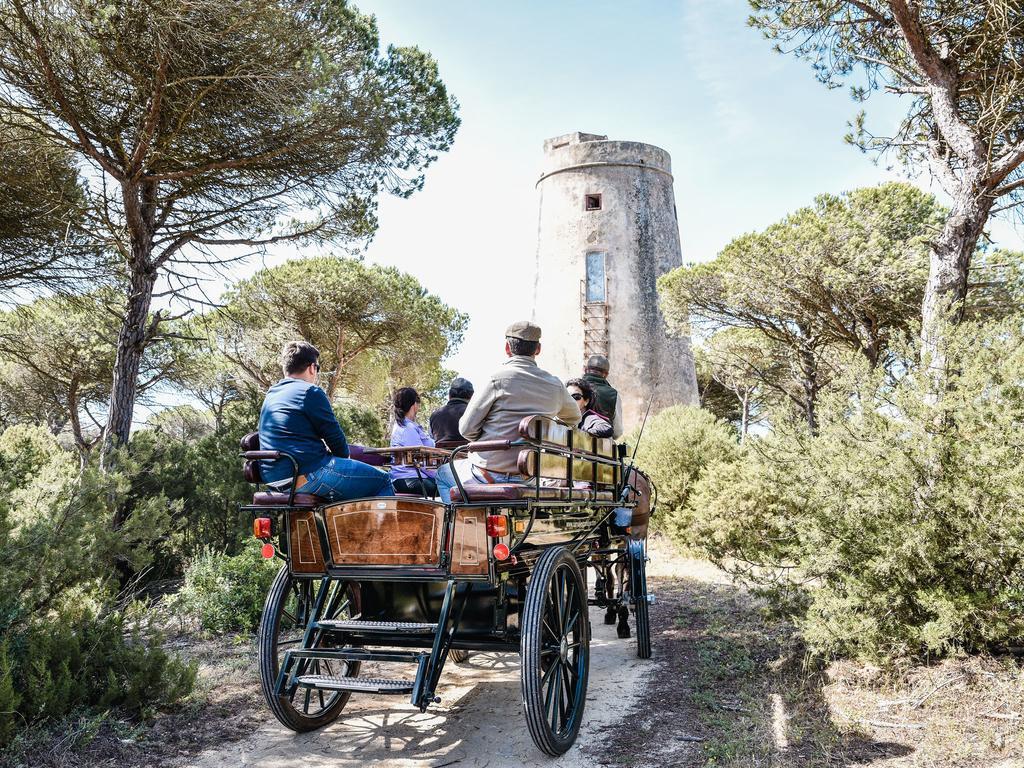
(76, 660)
(678, 445)
(897, 530)
(225, 593)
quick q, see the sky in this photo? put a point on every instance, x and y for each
(752, 135)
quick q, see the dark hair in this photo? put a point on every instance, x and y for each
(297, 356)
(522, 346)
(404, 399)
(587, 389)
(461, 388)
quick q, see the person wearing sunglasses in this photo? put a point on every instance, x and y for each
(297, 418)
(592, 421)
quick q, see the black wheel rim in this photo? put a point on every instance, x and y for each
(294, 616)
(563, 652)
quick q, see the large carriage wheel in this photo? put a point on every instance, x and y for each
(555, 649)
(638, 592)
(286, 615)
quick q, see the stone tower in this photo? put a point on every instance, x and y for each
(607, 231)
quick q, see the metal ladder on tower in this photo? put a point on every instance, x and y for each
(594, 315)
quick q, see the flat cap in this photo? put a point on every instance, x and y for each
(598, 363)
(523, 329)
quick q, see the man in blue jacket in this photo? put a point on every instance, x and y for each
(297, 419)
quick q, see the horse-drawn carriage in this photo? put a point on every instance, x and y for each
(499, 567)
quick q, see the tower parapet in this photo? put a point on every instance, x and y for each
(607, 230)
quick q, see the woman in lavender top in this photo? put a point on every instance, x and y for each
(407, 432)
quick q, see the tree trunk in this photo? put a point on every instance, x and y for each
(744, 415)
(946, 289)
(809, 382)
(131, 343)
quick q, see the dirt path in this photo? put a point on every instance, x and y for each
(478, 723)
(727, 687)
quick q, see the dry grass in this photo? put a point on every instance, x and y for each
(743, 694)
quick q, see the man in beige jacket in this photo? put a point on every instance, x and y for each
(519, 388)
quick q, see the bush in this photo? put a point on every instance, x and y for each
(898, 530)
(678, 446)
(225, 593)
(71, 661)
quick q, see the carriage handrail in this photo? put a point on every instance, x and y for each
(481, 446)
(273, 456)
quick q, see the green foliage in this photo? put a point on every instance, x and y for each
(842, 277)
(9, 697)
(679, 445)
(40, 197)
(898, 529)
(75, 659)
(226, 593)
(203, 475)
(361, 424)
(376, 328)
(57, 518)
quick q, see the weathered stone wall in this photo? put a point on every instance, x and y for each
(638, 230)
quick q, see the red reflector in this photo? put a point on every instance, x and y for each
(500, 552)
(261, 527)
(267, 551)
(497, 525)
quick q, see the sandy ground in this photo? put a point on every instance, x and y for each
(478, 723)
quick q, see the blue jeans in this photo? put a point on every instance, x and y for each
(467, 474)
(344, 479)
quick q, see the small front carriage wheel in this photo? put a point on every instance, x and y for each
(286, 614)
(555, 650)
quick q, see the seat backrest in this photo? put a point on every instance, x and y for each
(566, 454)
(251, 469)
(358, 453)
(548, 431)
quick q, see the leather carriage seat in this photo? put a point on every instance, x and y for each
(280, 499)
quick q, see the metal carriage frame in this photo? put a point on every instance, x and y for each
(503, 569)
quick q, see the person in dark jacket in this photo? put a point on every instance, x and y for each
(592, 422)
(444, 423)
(297, 418)
(606, 397)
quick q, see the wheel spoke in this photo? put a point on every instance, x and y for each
(556, 706)
(572, 623)
(305, 703)
(547, 675)
(569, 700)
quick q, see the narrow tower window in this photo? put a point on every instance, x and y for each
(592, 202)
(596, 284)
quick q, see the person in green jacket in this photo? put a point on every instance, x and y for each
(606, 400)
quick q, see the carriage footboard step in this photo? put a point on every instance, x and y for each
(360, 684)
(356, 625)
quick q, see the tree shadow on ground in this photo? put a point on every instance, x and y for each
(733, 689)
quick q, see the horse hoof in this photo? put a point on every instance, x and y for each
(609, 617)
(622, 630)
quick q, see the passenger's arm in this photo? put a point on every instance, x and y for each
(325, 424)
(471, 423)
(598, 427)
(425, 437)
(617, 418)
